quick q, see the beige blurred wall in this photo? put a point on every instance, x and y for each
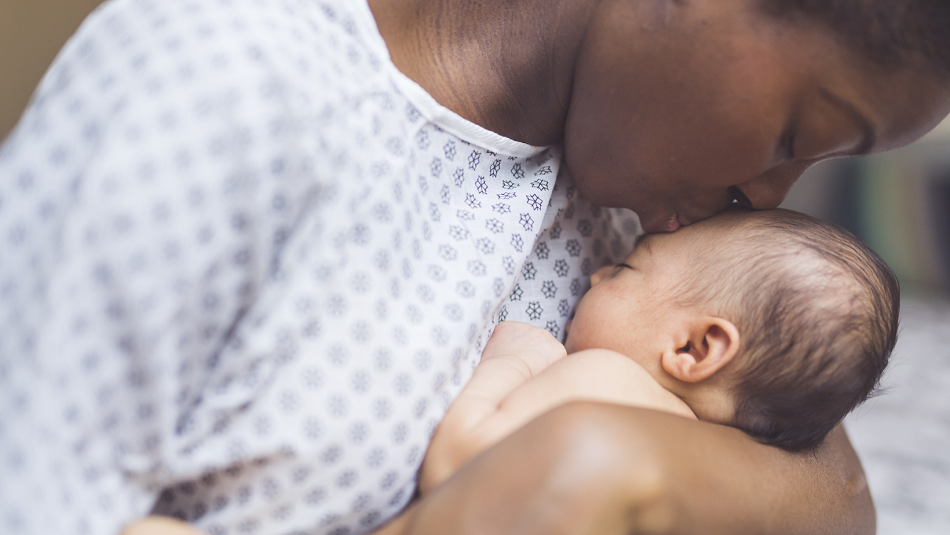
(31, 33)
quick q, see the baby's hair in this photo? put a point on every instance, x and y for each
(817, 312)
(887, 32)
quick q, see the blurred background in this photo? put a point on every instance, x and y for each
(898, 203)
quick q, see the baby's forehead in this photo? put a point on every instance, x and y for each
(721, 231)
(736, 238)
(758, 226)
(736, 235)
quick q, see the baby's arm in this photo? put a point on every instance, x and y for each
(502, 401)
(515, 353)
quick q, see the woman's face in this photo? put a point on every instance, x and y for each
(732, 105)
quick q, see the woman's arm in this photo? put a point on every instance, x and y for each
(601, 469)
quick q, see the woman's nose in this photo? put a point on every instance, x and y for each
(769, 189)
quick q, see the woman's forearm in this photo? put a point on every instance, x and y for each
(610, 470)
(716, 480)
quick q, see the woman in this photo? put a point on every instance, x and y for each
(263, 238)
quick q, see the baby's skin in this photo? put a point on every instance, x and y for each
(629, 344)
(524, 372)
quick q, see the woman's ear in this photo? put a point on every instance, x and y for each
(710, 344)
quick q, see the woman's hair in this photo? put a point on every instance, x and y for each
(888, 32)
(817, 312)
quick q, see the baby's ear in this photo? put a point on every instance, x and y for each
(707, 344)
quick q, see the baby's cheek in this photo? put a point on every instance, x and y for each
(580, 336)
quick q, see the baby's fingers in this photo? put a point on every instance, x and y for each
(535, 346)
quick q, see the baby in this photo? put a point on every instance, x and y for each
(772, 322)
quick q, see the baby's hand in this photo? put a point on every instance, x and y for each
(533, 347)
(515, 353)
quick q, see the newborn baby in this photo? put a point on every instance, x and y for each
(772, 322)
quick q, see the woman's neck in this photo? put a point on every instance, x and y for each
(506, 65)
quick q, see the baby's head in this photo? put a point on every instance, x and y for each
(773, 322)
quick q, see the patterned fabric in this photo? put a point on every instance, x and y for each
(246, 265)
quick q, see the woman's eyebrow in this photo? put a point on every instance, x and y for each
(868, 137)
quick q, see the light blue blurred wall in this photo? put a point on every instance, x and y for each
(897, 202)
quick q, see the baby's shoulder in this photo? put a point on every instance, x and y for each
(601, 365)
(611, 377)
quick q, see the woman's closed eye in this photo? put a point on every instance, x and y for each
(739, 198)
